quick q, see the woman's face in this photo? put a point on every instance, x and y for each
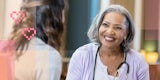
(112, 30)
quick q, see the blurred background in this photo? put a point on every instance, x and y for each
(79, 15)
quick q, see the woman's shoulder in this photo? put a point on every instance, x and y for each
(135, 54)
(136, 58)
(52, 52)
(87, 48)
(46, 52)
(38, 45)
(48, 59)
(138, 65)
(85, 51)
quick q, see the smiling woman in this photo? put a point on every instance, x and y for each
(113, 30)
(109, 56)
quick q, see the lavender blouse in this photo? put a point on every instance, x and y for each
(81, 66)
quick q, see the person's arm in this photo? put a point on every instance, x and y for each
(76, 66)
(143, 70)
(49, 68)
(55, 67)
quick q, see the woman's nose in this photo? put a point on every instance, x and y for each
(110, 31)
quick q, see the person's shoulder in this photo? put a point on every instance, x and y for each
(136, 57)
(135, 53)
(53, 53)
(87, 47)
(138, 65)
(39, 45)
(85, 50)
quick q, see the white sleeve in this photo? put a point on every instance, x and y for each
(49, 67)
(55, 66)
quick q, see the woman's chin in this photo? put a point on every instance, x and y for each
(108, 45)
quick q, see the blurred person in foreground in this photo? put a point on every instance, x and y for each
(39, 58)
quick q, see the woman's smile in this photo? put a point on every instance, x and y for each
(109, 39)
(112, 30)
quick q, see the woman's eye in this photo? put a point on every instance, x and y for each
(105, 24)
(119, 28)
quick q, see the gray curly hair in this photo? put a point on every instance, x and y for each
(93, 30)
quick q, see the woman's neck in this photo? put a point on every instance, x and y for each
(110, 51)
(111, 58)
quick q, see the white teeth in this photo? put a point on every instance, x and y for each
(108, 38)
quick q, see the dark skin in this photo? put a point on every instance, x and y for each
(112, 32)
(111, 61)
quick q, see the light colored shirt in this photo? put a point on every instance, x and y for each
(39, 62)
(101, 71)
(81, 66)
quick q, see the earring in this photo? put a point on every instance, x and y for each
(125, 38)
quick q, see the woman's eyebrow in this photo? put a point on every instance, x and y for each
(106, 22)
(118, 24)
